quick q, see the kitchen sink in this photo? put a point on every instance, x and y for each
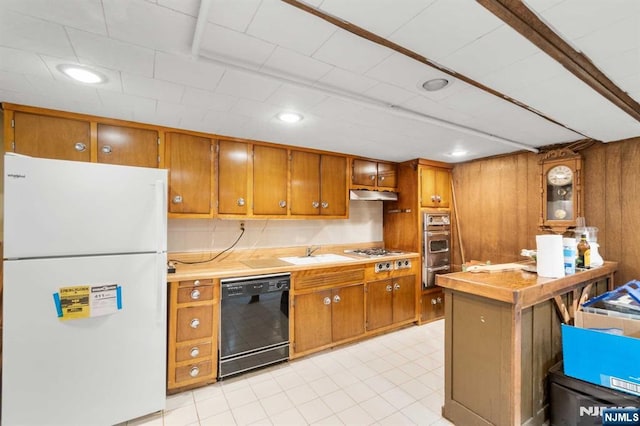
(316, 259)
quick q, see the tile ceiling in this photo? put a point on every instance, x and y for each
(229, 66)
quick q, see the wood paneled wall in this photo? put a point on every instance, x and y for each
(498, 205)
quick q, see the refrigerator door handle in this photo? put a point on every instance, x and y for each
(161, 211)
(161, 289)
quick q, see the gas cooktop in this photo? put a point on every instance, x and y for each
(375, 252)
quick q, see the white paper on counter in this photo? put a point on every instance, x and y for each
(550, 256)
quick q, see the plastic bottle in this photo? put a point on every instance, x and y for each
(584, 253)
(570, 252)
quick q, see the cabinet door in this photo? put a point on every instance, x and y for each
(347, 312)
(305, 183)
(428, 192)
(269, 180)
(364, 173)
(387, 176)
(190, 162)
(233, 175)
(312, 320)
(404, 298)
(432, 306)
(443, 185)
(128, 146)
(52, 137)
(379, 304)
(333, 186)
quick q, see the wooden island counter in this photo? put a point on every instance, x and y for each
(502, 334)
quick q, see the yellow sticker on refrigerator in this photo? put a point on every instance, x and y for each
(87, 301)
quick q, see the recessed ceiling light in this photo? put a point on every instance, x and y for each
(435, 84)
(81, 74)
(458, 153)
(289, 117)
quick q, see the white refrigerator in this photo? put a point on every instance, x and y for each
(84, 311)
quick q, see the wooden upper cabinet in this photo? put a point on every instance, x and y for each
(51, 137)
(333, 185)
(233, 177)
(435, 187)
(305, 183)
(376, 175)
(128, 146)
(190, 162)
(270, 165)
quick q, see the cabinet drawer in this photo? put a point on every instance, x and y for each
(197, 350)
(196, 283)
(195, 294)
(194, 323)
(194, 371)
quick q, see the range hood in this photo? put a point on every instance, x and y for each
(365, 194)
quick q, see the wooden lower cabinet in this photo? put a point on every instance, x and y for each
(322, 318)
(391, 301)
(192, 334)
(432, 305)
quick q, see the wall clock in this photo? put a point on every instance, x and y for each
(561, 190)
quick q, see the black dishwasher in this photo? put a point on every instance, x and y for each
(254, 322)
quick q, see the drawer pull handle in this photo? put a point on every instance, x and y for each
(196, 282)
(106, 149)
(195, 323)
(194, 352)
(195, 294)
(80, 147)
(177, 199)
(327, 301)
(194, 371)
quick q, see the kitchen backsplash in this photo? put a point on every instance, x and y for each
(364, 225)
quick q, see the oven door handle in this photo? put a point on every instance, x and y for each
(433, 234)
(439, 268)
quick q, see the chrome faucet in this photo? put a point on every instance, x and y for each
(311, 250)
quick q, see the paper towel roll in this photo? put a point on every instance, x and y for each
(550, 256)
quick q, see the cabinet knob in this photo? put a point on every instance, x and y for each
(439, 299)
(315, 204)
(241, 201)
(177, 199)
(195, 294)
(80, 147)
(196, 282)
(381, 178)
(194, 352)
(325, 204)
(327, 301)
(336, 298)
(195, 323)
(396, 286)
(106, 149)
(434, 301)
(282, 204)
(194, 371)
(372, 177)
(389, 288)
(433, 198)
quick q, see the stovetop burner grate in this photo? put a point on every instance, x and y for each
(375, 252)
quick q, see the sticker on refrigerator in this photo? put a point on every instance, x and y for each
(87, 301)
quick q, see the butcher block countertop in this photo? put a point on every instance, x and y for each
(264, 261)
(519, 287)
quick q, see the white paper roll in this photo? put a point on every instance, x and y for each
(550, 256)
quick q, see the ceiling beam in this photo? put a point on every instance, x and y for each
(519, 17)
(368, 35)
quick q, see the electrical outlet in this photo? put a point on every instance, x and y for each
(242, 226)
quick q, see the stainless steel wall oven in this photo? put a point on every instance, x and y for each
(436, 249)
(254, 322)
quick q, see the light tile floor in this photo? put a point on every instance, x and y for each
(393, 379)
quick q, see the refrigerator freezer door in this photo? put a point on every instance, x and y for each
(68, 208)
(92, 371)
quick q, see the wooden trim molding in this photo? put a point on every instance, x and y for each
(368, 35)
(515, 14)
